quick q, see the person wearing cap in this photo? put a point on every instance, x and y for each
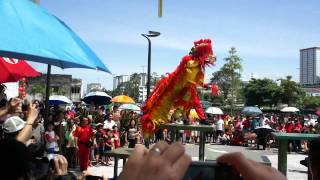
(21, 130)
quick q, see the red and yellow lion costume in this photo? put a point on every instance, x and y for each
(179, 89)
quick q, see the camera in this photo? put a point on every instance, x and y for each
(210, 170)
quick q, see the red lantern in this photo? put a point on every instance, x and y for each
(21, 89)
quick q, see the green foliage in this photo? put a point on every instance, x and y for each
(37, 88)
(267, 92)
(291, 92)
(228, 77)
(261, 92)
(310, 102)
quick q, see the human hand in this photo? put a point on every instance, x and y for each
(32, 113)
(249, 169)
(163, 161)
(60, 165)
(15, 105)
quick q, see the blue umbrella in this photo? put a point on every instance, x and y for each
(251, 111)
(59, 100)
(29, 32)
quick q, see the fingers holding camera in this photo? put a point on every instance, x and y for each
(15, 105)
(32, 113)
(250, 169)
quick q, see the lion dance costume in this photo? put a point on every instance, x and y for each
(179, 89)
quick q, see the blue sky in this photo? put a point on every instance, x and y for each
(267, 34)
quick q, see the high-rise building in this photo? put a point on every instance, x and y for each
(117, 80)
(143, 79)
(310, 66)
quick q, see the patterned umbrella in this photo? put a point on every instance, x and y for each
(13, 70)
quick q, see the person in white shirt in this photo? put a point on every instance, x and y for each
(263, 120)
(109, 123)
(220, 127)
(309, 121)
(51, 140)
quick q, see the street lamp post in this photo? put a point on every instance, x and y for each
(147, 36)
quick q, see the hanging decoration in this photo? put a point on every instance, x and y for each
(160, 5)
(21, 89)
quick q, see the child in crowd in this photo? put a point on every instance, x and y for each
(51, 139)
(116, 136)
(101, 138)
(109, 145)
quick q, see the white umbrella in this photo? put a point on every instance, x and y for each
(98, 97)
(58, 100)
(130, 107)
(214, 110)
(289, 109)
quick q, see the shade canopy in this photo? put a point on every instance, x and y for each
(289, 109)
(123, 99)
(98, 97)
(12, 70)
(29, 32)
(59, 100)
(214, 110)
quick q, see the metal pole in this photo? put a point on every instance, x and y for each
(201, 146)
(149, 65)
(46, 115)
(149, 69)
(282, 156)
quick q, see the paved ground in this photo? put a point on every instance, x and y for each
(295, 170)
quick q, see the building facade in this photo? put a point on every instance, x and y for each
(91, 87)
(143, 93)
(310, 66)
(60, 84)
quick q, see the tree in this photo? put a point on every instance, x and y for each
(311, 102)
(291, 93)
(261, 92)
(228, 77)
(38, 89)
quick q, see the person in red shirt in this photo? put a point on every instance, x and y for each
(290, 127)
(84, 138)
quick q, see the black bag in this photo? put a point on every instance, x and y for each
(89, 143)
